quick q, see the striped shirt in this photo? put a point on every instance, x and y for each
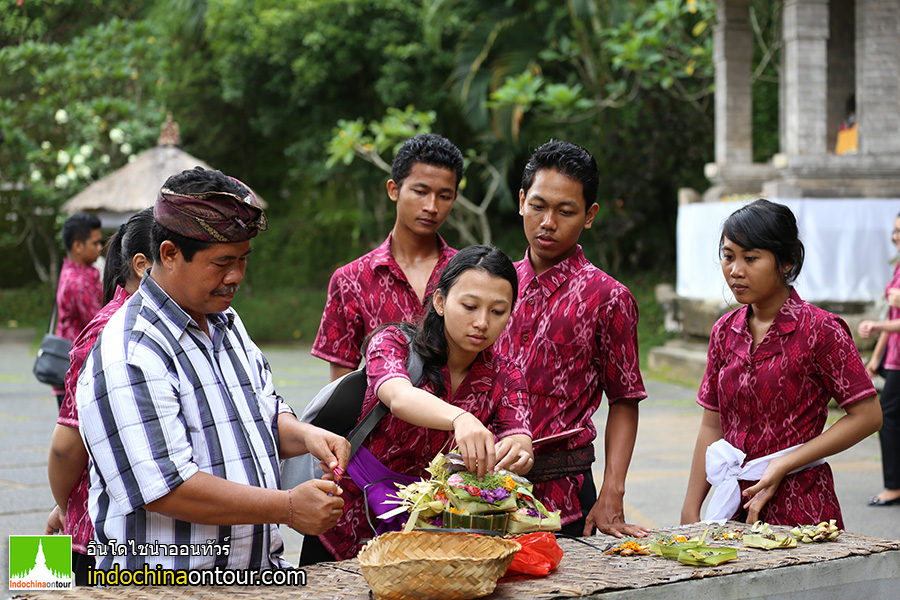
(159, 401)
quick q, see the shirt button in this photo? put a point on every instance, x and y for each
(531, 301)
(524, 337)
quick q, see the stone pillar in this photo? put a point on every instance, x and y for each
(805, 77)
(733, 53)
(878, 76)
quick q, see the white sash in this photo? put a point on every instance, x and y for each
(723, 470)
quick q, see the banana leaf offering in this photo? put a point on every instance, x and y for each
(493, 493)
(825, 531)
(531, 515)
(458, 520)
(706, 556)
(670, 546)
(764, 537)
(454, 497)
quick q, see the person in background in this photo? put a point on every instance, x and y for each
(393, 282)
(773, 366)
(177, 406)
(466, 387)
(127, 257)
(887, 350)
(79, 292)
(574, 333)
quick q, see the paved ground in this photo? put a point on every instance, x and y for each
(655, 487)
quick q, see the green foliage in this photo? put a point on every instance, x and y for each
(630, 81)
(378, 137)
(258, 86)
(281, 314)
(71, 112)
(664, 44)
(651, 323)
(668, 46)
(765, 18)
(26, 306)
(59, 20)
(307, 239)
(296, 67)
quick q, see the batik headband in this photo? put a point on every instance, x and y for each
(210, 216)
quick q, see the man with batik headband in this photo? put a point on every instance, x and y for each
(179, 414)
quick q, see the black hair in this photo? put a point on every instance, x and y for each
(765, 225)
(78, 228)
(132, 238)
(569, 159)
(428, 338)
(193, 181)
(430, 149)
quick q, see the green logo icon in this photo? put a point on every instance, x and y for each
(40, 562)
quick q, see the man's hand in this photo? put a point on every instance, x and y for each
(56, 521)
(608, 515)
(332, 449)
(316, 506)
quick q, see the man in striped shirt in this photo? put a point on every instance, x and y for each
(178, 409)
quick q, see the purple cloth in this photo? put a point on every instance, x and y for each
(377, 480)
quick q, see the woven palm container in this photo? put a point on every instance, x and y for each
(424, 565)
(493, 522)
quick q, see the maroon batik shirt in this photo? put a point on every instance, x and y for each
(78, 299)
(370, 291)
(777, 395)
(494, 391)
(892, 351)
(574, 333)
(78, 521)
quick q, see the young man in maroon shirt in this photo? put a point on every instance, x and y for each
(79, 293)
(391, 283)
(574, 333)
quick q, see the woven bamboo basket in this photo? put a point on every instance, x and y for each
(422, 565)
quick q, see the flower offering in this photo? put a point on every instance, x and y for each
(454, 497)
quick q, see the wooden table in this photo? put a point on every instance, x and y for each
(851, 567)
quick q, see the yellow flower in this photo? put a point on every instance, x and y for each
(509, 483)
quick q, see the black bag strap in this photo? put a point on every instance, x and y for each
(415, 367)
(52, 328)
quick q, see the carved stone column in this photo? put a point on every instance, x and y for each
(733, 54)
(805, 77)
(878, 76)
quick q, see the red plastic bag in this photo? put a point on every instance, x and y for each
(539, 555)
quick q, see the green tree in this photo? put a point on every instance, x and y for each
(377, 143)
(598, 73)
(71, 111)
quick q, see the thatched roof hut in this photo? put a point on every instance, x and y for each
(134, 186)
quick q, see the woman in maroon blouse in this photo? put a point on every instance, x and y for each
(466, 388)
(773, 366)
(886, 355)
